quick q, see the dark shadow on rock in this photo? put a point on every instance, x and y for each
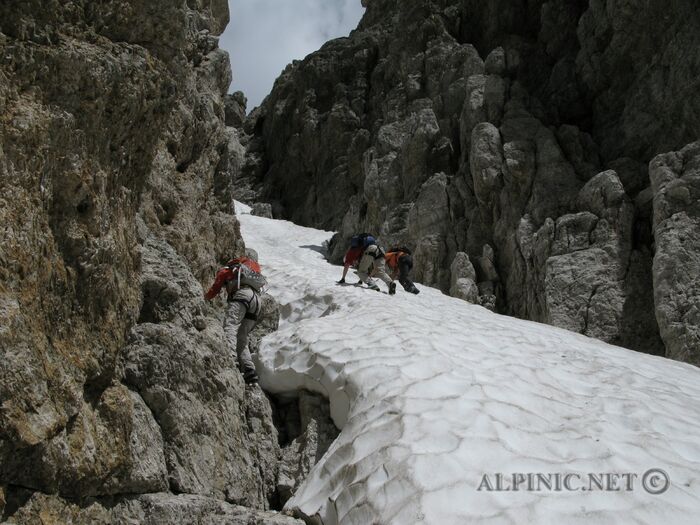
(305, 431)
(316, 248)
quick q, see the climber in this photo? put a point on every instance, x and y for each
(372, 263)
(353, 255)
(400, 262)
(243, 281)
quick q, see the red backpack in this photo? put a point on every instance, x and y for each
(246, 271)
(250, 263)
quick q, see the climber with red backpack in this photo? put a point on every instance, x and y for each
(373, 263)
(354, 254)
(399, 261)
(243, 281)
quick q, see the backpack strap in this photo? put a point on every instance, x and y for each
(251, 313)
(375, 251)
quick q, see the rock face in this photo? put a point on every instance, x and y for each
(515, 134)
(307, 432)
(116, 207)
(235, 106)
(150, 509)
(178, 362)
(675, 179)
(463, 283)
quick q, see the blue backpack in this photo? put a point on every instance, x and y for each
(361, 240)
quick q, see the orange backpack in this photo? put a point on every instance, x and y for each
(393, 256)
(392, 259)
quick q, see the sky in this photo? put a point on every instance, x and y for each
(266, 35)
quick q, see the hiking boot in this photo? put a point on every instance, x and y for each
(250, 377)
(392, 288)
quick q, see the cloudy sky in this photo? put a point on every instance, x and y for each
(265, 35)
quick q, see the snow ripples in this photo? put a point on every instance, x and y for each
(432, 393)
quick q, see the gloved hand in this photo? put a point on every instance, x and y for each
(342, 281)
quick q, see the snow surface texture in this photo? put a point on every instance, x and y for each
(432, 393)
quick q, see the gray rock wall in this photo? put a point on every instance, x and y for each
(516, 133)
(149, 509)
(675, 181)
(116, 206)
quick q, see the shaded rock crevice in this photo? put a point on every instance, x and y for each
(306, 431)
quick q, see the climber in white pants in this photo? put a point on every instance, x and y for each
(372, 263)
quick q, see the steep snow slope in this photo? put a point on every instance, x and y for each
(432, 394)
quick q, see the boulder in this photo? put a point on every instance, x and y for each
(261, 209)
(463, 279)
(585, 274)
(235, 108)
(675, 182)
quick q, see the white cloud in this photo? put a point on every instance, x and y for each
(265, 35)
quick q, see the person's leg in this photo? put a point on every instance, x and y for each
(380, 271)
(235, 315)
(405, 265)
(245, 361)
(363, 270)
(237, 326)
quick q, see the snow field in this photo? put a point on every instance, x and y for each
(432, 393)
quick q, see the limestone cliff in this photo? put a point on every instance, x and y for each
(507, 143)
(115, 209)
